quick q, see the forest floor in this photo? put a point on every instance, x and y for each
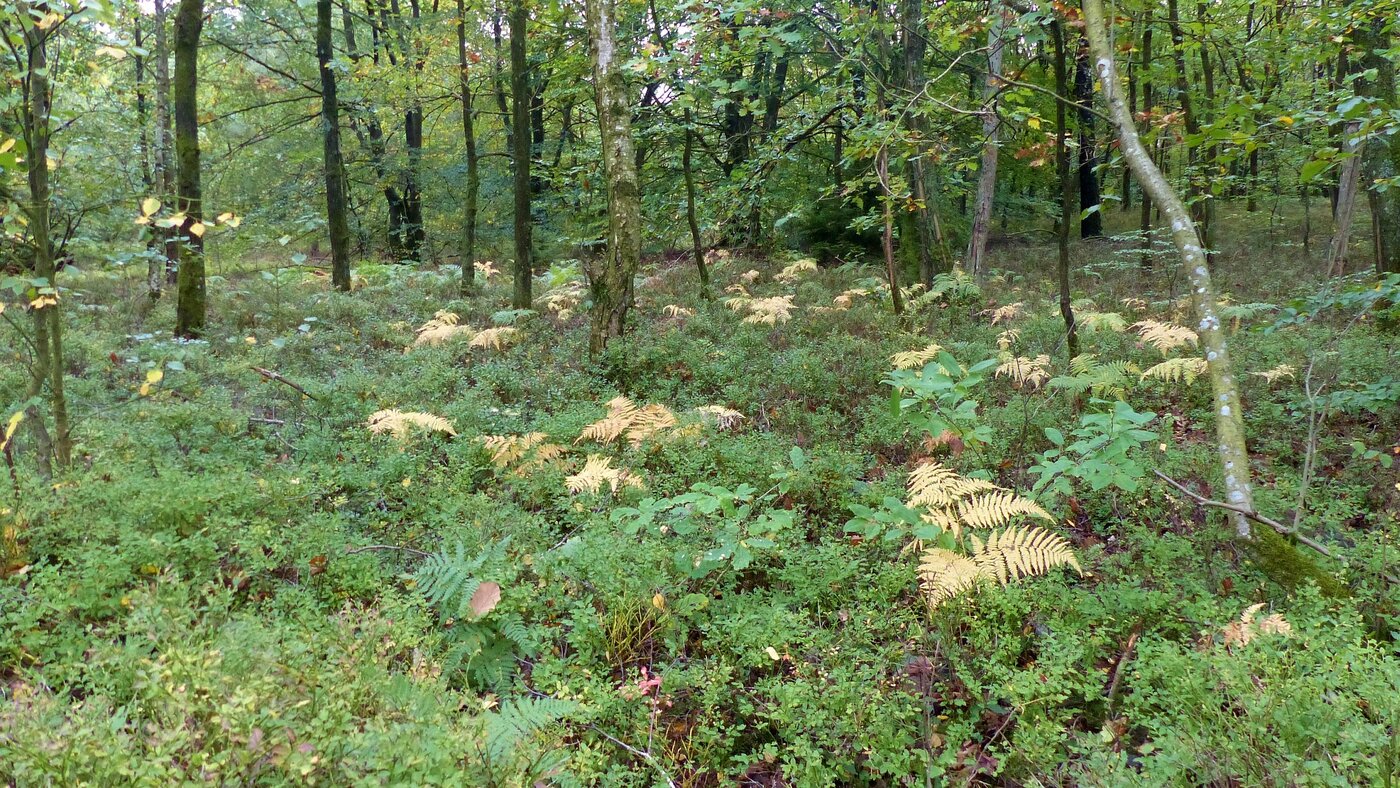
(239, 582)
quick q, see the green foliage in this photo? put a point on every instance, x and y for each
(938, 399)
(1101, 452)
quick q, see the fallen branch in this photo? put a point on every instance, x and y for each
(260, 420)
(1259, 518)
(277, 376)
(1118, 668)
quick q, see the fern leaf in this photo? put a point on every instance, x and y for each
(597, 471)
(495, 338)
(401, 424)
(769, 311)
(996, 508)
(444, 327)
(794, 272)
(935, 486)
(944, 574)
(1090, 322)
(915, 359)
(1022, 552)
(1165, 337)
(1280, 372)
(1004, 313)
(1177, 370)
(725, 419)
(1025, 372)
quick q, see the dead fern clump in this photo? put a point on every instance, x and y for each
(1005, 313)
(402, 424)
(794, 272)
(1165, 337)
(527, 453)
(1280, 372)
(769, 311)
(724, 419)
(1177, 370)
(1249, 628)
(444, 327)
(1025, 373)
(497, 338)
(597, 471)
(915, 359)
(626, 419)
(954, 502)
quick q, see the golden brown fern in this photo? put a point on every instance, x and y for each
(401, 424)
(1177, 370)
(945, 574)
(769, 311)
(794, 272)
(495, 338)
(1280, 372)
(1165, 337)
(1005, 313)
(598, 471)
(915, 359)
(933, 485)
(444, 327)
(996, 508)
(1019, 552)
(725, 419)
(1025, 372)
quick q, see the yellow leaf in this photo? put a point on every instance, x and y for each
(149, 206)
(658, 601)
(197, 229)
(154, 375)
(1285, 120)
(112, 52)
(772, 653)
(6, 145)
(10, 427)
(1034, 123)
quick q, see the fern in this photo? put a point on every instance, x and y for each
(725, 419)
(1025, 372)
(444, 327)
(517, 721)
(1004, 557)
(996, 508)
(598, 471)
(794, 272)
(933, 485)
(1089, 375)
(1280, 372)
(914, 359)
(624, 418)
(1165, 337)
(1177, 370)
(676, 310)
(769, 311)
(945, 574)
(1004, 313)
(495, 338)
(1090, 322)
(401, 424)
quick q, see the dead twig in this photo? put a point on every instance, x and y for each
(368, 547)
(1259, 518)
(1123, 658)
(277, 376)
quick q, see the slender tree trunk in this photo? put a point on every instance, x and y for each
(1126, 190)
(1210, 152)
(190, 308)
(467, 252)
(334, 164)
(520, 123)
(1275, 556)
(1346, 200)
(697, 248)
(882, 164)
(164, 175)
(1091, 216)
(48, 323)
(987, 176)
(920, 221)
(1191, 122)
(1062, 169)
(1380, 161)
(155, 264)
(612, 284)
(415, 230)
(1145, 223)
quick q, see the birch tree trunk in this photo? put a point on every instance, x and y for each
(611, 284)
(1279, 559)
(987, 176)
(332, 162)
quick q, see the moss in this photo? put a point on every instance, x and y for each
(1288, 567)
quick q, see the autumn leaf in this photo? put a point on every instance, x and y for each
(487, 596)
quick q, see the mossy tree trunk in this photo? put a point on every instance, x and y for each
(1274, 554)
(333, 163)
(1380, 161)
(467, 250)
(987, 175)
(611, 283)
(164, 172)
(189, 284)
(519, 20)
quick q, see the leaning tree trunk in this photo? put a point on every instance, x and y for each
(697, 248)
(1275, 556)
(520, 133)
(987, 176)
(467, 252)
(334, 164)
(1346, 200)
(612, 284)
(189, 283)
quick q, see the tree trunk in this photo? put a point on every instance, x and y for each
(1275, 556)
(987, 176)
(164, 174)
(612, 284)
(48, 323)
(334, 164)
(1066, 188)
(467, 252)
(697, 248)
(1145, 224)
(1191, 122)
(1346, 200)
(190, 306)
(1380, 162)
(155, 263)
(1091, 217)
(922, 219)
(520, 131)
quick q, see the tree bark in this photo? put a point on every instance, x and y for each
(520, 132)
(987, 175)
(611, 285)
(1145, 77)
(1279, 559)
(1346, 200)
(190, 306)
(697, 248)
(164, 174)
(1380, 161)
(334, 164)
(1090, 213)
(1062, 170)
(467, 252)
(155, 264)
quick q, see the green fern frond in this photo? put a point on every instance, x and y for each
(1177, 370)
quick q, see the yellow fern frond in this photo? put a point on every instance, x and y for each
(401, 424)
(770, 311)
(1165, 337)
(944, 574)
(847, 298)
(933, 485)
(1246, 629)
(1280, 372)
(1008, 338)
(597, 471)
(1134, 303)
(1089, 322)
(676, 310)
(945, 519)
(1004, 313)
(442, 328)
(1025, 372)
(1177, 370)
(749, 276)
(1022, 552)
(794, 272)
(738, 303)
(915, 359)
(648, 421)
(996, 508)
(495, 338)
(506, 450)
(485, 269)
(725, 419)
